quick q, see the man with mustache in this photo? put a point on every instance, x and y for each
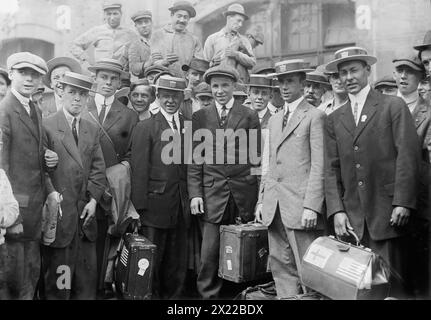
(117, 122)
(174, 46)
(57, 67)
(109, 40)
(231, 47)
(372, 160)
(315, 86)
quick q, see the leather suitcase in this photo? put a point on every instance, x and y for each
(134, 272)
(342, 271)
(243, 252)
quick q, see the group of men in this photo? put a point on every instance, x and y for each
(305, 151)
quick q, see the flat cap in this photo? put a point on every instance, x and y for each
(27, 60)
(111, 5)
(265, 67)
(221, 70)
(411, 61)
(78, 81)
(183, 5)
(236, 8)
(317, 77)
(141, 15)
(52, 64)
(387, 81)
(256, 35)
(155, 69)
(203, 89)
(168, 82)
(198, 65)
(260, 80)
(109, 65)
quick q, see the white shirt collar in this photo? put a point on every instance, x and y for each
(229, 105)
(262, 113)
(100, 100)
(70, 118)
(170, 117)
(411, 100)
(293, 105)
(361, 96)
(23, 100)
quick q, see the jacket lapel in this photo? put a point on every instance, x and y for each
(92, 109)
(234, 117)
(65, 135)
(25, 117)
(213, 118)
(347, 119)
(367, 114)
(83, 137)
(265, 119)
(419, 114)
(113, 116)
(294, 121)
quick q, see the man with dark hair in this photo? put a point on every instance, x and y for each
(315, 86)
(174, 46)
(142, 95)
(229, 46)
(372, 168)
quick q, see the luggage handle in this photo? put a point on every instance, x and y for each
(353, 234)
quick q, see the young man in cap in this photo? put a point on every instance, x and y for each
(109, 40)
(339, 92)
(229, 46)
(194, 74)
(292, 192)
(386, 85)
(366, 193)
(25, 159)
(174, 46)
(221, 192)
(142, 95)
(4, 83)
(80, 178)
(260, 94)
(117, 122)
(425, 52)
(159, 188)
(315, 86)
(408, 73)
(139, 51)
(255, 37)
(204, 95)
(57, 67)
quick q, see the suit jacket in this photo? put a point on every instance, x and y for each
(79, 176)
(119, 124)
(373, 167)
(22, 158)
(295, 177)
(265, 120)
(159, 190)
(215, 182)
(49, 106)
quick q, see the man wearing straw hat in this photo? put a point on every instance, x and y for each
(292, 190)
(159, 188)
(80, 178)
(372, 161)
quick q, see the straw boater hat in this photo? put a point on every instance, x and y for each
(78, 81)
(168, 82)
(108, 65)
(260, 81)
(350, 54)
(290, 66)
(236, 8)
(72, 64)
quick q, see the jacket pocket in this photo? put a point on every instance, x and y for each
(156, 186)
(208, 181)
(23, 200)
(390, 189)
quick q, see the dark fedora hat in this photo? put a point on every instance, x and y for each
(183, 5)
(317, 77)
(78, 81)
(426, 43)
(71, 63)
(197, 64)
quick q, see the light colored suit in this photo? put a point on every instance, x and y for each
(292, 182)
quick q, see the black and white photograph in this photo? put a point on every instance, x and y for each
(215, 156)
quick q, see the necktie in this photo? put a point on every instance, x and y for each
(102, 114)
(174, 125)
(286, 118)
(74, 131)
(355, 113)
(33, 114)
(223, 116)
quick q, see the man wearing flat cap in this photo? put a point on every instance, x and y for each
(408, 73)
(204, 95)
(174, 46)
(371, 168)
(80, 178)
(292, 189)
(386, 85)
(26, 159)
(159, 187)
(222, 189)
(316, 84)
(139, 50)
(255, 37)
(109, 40)
(116, 123)
(229, 46)
(57, 67)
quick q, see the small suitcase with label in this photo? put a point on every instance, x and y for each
(134, 272)
(243, 252)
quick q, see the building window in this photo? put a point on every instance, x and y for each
(338, 22)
